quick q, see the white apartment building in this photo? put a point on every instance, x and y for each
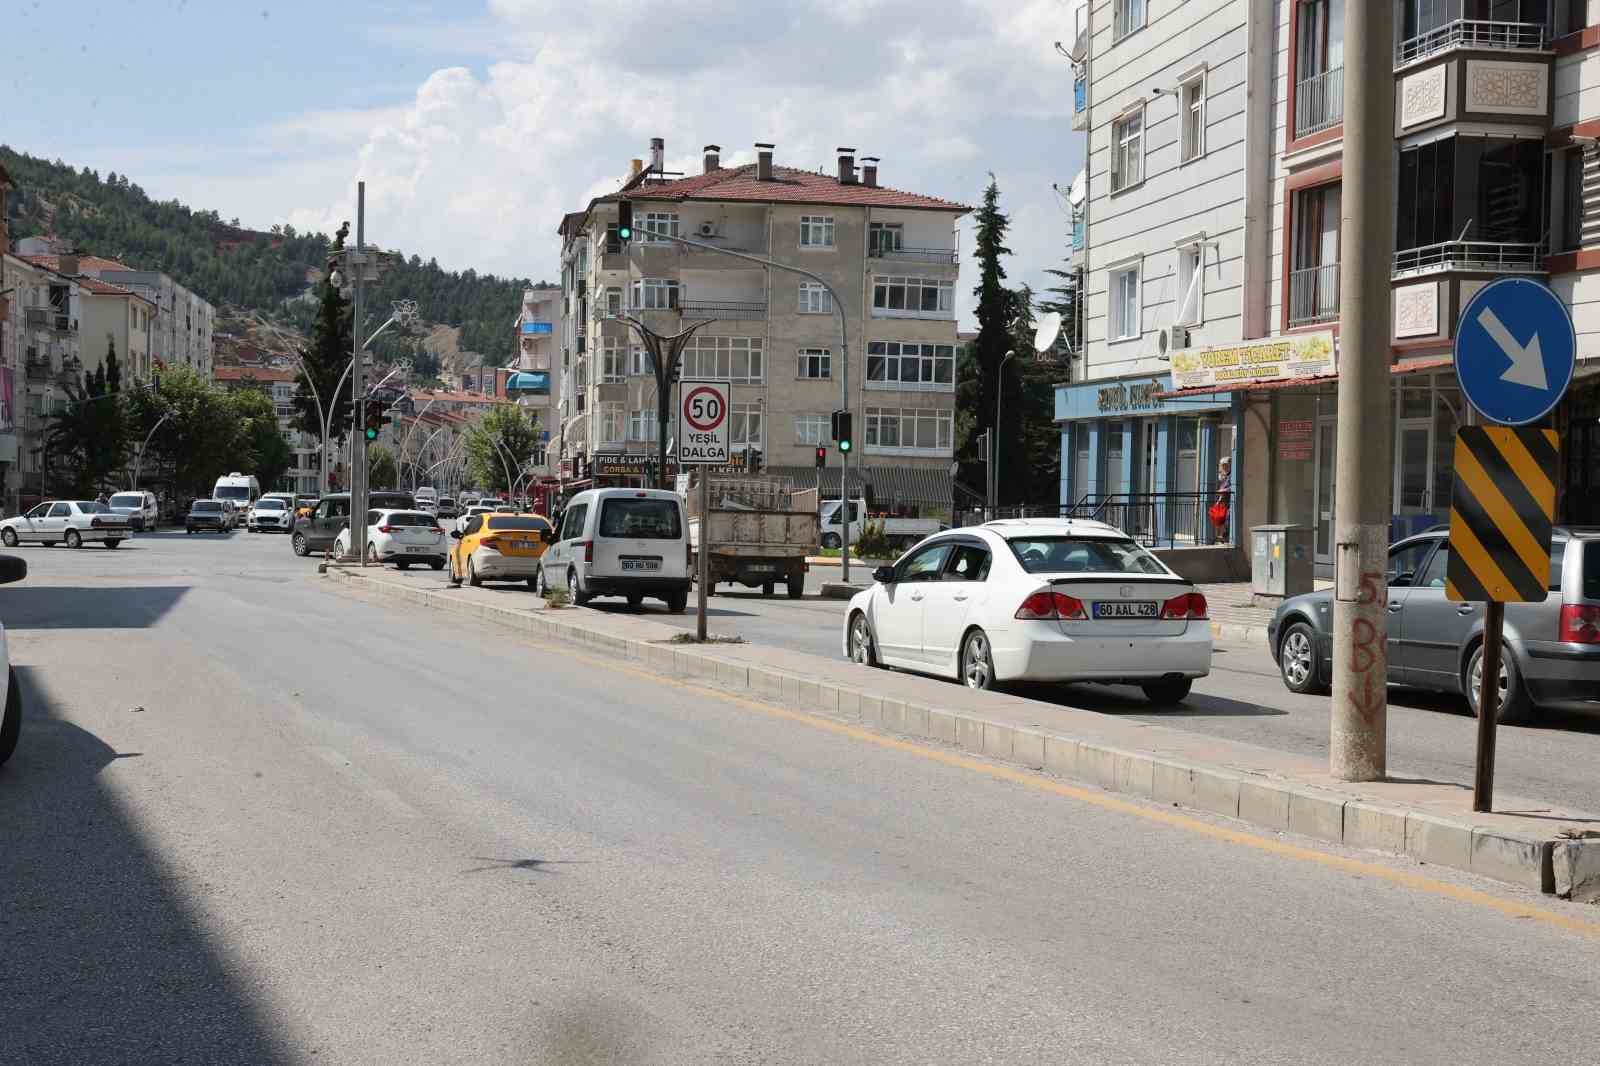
(890, 256)
(41, 350)
(303, 476)
(534, 378)
(1211, 253)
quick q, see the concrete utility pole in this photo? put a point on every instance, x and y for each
(357, 265)
(1357, 748)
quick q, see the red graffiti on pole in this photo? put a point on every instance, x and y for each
(1365, 638)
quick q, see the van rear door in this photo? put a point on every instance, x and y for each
(640, 535)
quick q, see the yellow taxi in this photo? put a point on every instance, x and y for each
(499, 547)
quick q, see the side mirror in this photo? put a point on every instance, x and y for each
(884, 575)
(12, 568)
(455, 534)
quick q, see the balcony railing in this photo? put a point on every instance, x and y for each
(1319, 102)
(724, 309)
(915, 255)
(1155, 519)
(1498, 256)
(1314, 294)
(1471, 33)
(1080, 93)
(39, 369)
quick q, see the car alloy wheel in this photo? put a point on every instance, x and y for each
(9, 536)
(1512, 705)
(540, 585)
(977, 668)
(861, 642)
(1295, 658)
(372, 553)
(73, 539)
(298, 542)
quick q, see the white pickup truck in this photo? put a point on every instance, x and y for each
(756, 533)
(901, 532)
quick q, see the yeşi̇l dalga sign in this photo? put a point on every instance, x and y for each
(1303, 355)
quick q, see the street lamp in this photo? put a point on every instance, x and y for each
(138, 460)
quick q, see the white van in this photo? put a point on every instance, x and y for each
(241, 490)
(140, 507)
(621, 542)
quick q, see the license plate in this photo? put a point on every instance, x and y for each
(641, 564)
(417, 550)
(1126, 609)
(763, 568)
(522, 545)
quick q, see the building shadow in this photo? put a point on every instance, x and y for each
(103, 960)
(1126, 699)
(78, 607)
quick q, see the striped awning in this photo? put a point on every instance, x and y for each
(883, 485)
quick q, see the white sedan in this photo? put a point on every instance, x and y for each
(1034, 600)
(70, 522)
(399, 537)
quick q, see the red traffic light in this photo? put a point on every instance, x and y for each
(822, 456)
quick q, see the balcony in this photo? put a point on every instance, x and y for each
(1319, 102)
(1490, 256)
(1471, 33)
(1314, 295)
(39, 369)
(736, 310)
(915, 255)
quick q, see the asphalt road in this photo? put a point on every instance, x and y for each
(257, 819)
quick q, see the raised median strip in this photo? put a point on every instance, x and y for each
(1534, 844)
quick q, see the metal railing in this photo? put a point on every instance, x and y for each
(1319, 102)
(918, 255)
(1500, 256)
(1154, 519)
(1471, 33)
(1080, 93)
(720, 309)
(1314, 294)
(39, 369)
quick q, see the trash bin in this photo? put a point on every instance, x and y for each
(1280, 560)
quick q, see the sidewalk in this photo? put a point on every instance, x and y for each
(1530, 843)
(1234, 616)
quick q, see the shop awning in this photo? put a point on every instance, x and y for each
(888, 484)
(1412, 367)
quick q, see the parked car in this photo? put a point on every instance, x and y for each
(400, 537)
(12, 568)
(320, 529)
(1038, 600)
(69, 522)
(269, 512)
(500, 547)
(1551, 650)
(621, 542)
(207, 516)
(139, 507)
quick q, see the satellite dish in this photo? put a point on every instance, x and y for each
(1076, 191)
(1044, 338)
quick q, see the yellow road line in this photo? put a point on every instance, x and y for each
(1027, 779)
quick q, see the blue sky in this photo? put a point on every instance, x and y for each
(477, 123)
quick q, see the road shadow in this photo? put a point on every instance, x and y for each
(659, 608)
(76, 607)
(103, 960)
(1127, 699)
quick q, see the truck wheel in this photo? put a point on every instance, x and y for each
(767, 587)
(635, 600)
(797, 587)
(831, 540)
(677, 602)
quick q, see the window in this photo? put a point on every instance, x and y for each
(816, 231)
(613, 301)
(581, 374)
(1404, 563)
(1433, 576)
(744, 425)
(1085, 555)
(1569, 16)
(1191, 286)
(612, 366)
(968, 563)
(1572, 200)
(725, 358)
(815, 363)
(884, 237)
(1124, 301)
(901, 297)
(814, 299)
(613, 239)
(812, 429)
(646, 519)
(1192, 101)
(1127, 150)
(1319, 66)
(656, 223)
(609, 425)
(572, 521)
(924, 565)
(892, 429)
(903, 365)
(654, 294)
(1490, 187)
(642, 424)
(1126, 16)
(640, 364)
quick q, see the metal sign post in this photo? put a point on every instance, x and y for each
(703, 442)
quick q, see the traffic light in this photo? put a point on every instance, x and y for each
(625, 221)
(841, 429)
(376, 418)
(822, 456)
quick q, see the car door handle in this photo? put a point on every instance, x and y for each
(916, 596)
(960, 596)
(1394, 608)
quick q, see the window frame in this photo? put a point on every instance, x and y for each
(749, 411)
(1191, 255)
(1121, 18)
(944, 290)
(1120, 149)
(652, 224)
(640, 290)
(642, 424)
(702, 345)
(1114, 303)
(1572, 200)
(879, 421)
(807, 426)
(1196, 110)
(811, 226)
(876, 231)
(821, 360)
(613, 362)
(931, 359)
(814, 299)
(604, 413)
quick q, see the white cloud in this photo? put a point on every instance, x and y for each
(478, 167)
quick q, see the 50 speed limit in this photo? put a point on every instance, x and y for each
(703, 416)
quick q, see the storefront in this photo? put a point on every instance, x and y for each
(1149, 463)
(1578, 418)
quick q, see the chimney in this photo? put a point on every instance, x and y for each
(713, 158)
(763, 162)
(635, 166)
(847, 166)
(67, 263)
(869, 171)
(658, 153)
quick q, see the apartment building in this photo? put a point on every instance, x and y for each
(1212, 246)
(279, 383)
(42, 341)
(890, 256)
(8, 359)
(533, 379)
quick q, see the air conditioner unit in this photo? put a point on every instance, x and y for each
(708, 229)
(1172, 338)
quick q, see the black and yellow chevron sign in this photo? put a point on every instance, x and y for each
(1501, 510)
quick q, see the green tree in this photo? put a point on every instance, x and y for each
(259, 446)
(517, 435)
(86, 443)
(997, 307)
(200, 439)
(322, 365)
(382, 473)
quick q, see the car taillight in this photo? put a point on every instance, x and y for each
(385, 529)
(94, 523)
(1580, 623)
(1190, 605)
(437, 529)
(588, 550)
(1050, 606)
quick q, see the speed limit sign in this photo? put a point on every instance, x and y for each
(703, 422)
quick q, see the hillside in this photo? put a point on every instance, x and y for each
(244, 270)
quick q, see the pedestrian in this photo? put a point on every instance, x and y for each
(1218, 512)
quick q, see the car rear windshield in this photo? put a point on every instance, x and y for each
(232, 492)
(1591, 567)
(409, 518)
(518, 523)
(647, 519)
(1084, 555)
(383, 499)
(206, 506)
(127, 500)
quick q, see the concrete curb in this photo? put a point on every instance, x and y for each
(1239, 631)
(839, 590)
(1556, 859)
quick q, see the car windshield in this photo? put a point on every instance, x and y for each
(232, 492)
(408, 518)
(206, 507)
(91, 507)
(1084, 555)
(647, 519)
(269, 505)
(127, 500)
(519, 522)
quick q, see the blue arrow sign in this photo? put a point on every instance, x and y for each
(1515, 351)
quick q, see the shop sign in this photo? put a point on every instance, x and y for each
(1304, 355)
(620, 465)
(1139, 396)
(1294, 439)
